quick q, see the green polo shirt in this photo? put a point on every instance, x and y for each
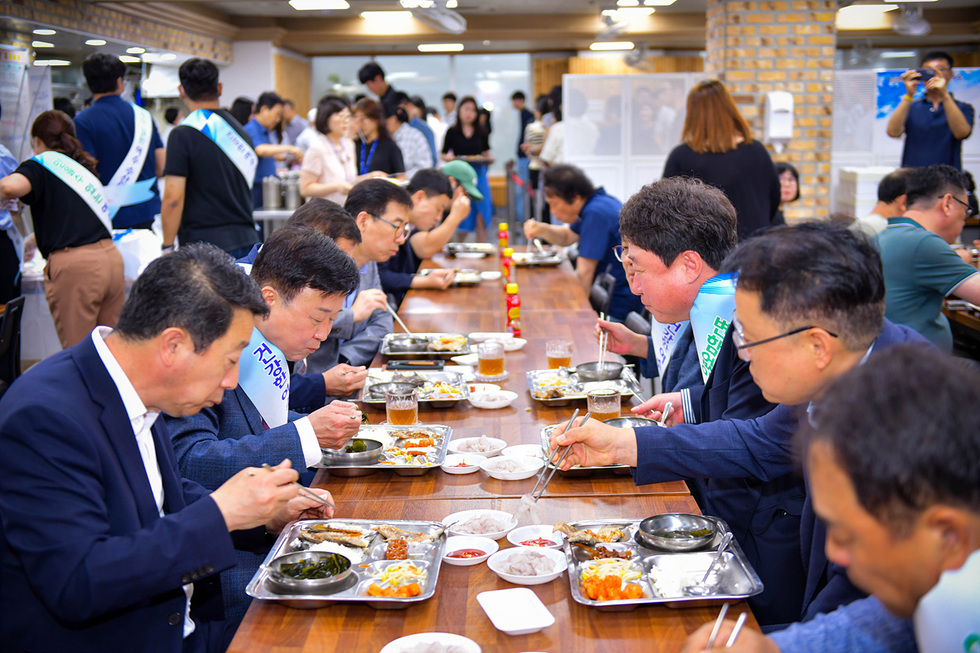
(920, 272)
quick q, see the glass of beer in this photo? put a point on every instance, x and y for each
(604, 403)
(402, 407)
(491, 357)
(559, 353)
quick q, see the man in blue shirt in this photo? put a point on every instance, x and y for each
(121, 136)
(415, 108)
(268, 113)
(936, 125)
(592, 217)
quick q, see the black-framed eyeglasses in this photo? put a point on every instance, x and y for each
(619, 252)
(399, 231)
(969, 209)
(742, 346)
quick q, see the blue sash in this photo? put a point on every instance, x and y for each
(665, 337)
(78, 178)
(230, 141)
(264, 377)
(123, 189)
(711, 316)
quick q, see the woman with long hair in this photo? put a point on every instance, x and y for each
(718, 149)
(374, 148)
(328, 168)
(83, 277)
(470, 141)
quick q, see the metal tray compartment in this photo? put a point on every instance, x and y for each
(663, 573)
(528, 259)
(452, 249)
(571, 389)
(576, 472)
(461, 278)
(424, 380)
(422, 350)
(390, 437)
(426, 555)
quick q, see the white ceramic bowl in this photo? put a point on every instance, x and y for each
(412, 642)
(492, 467)
(473, 460)
(527, 450)
(514, 344)
(477, 388)
(493, 400)
(480, 336)
(534, 532)
(509, 521)
(491, 275)
(500, 557)
(498, 446)
(457, 542)
(473, 255)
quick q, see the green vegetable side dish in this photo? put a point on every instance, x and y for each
(356, 446)
(322, 567)
(682, 534)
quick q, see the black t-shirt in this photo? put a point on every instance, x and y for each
(383, 155)
(459, 145)
(61, 218)
(217, 199)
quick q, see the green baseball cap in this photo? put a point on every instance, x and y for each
(464, 173)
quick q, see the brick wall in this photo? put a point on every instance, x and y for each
(782, 45)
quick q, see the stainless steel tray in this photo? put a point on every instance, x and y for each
(663, 572)
(423, 351)
(388, 435)
(461, 278)
(452, 249)
(528, 259)
(427, 555)
(428, 394)
(572, 389)
(576, 471)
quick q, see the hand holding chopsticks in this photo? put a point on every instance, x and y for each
(561, 458)
(306, 492)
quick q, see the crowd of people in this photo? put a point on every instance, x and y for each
(164, 440)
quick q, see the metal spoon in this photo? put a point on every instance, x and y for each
(701, 589)
(665, 414)
(537, 243)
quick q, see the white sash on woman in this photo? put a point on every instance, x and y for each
(78, 178)
(124, 189)
(230, 141)
(264, 377)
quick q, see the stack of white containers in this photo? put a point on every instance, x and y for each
(857, 189)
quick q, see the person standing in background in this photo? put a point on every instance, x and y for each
(267, 116)
(11, 240)
(518, 100)
(935, 126)
(292, 123)
(173, 116)
(789, 187)
(449, 108)
(415, 106)
(415, 150)
(466, 140)
(375, 151)
(242, 109)
(373, 77)
(534, 135)
(124, 141)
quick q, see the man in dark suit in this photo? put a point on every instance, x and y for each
(102, 543)
(809, 307)
(303, 277)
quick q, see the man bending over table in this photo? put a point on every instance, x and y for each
(893, 459)
(102, 543)
(303, 277)
(809, 306)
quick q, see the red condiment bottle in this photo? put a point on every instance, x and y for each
(513, 310)
(507, 266)
(503, 238)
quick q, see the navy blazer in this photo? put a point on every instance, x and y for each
(87, 562)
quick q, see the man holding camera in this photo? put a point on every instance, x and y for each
(936, 125)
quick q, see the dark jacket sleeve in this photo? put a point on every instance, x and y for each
(306, 391)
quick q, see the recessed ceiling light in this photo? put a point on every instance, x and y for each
(628, 13)
(611, 45)
(318, 5)
(658, 3)
(440, 47)
(135, 50)
(386, 15)
(416, 4)
(627, 3)
(51, 62)
(95, 42)
(125, 58)
(41, 44)
(902, 54)
(43, 31)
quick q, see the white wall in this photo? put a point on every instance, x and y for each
(251, 73)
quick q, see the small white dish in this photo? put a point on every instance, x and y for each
(457, 542)
(493, 467)
(410, 642)
(534, 532)
(514, 344)
(466, 359)
(490, 379)
(498, 446)
(480, 388)
(451, 465)
(515, 611)
(497, 560)
(529, 450)
(491, 275)
(509, 521)
(473, 255)
(480, 336)
(493, 400)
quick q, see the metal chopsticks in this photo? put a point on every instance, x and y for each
(306, 491)
(717, 628)
(603, 341)
(736, 630)
(561, 458)
(397, 319)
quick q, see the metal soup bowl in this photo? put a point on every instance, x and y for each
(628, 422)
(653, 531)
(341, 457)
(407, 343)
(378, 390)
(282, 583)
(592, 372)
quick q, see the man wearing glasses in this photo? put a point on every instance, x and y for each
(936, 125)
(921, 270)
(381, 210)
(809, 306)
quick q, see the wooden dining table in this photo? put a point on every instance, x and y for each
(553, 306)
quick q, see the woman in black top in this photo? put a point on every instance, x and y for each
(469, 141)
(84, 272)
(719, 150)
(374, 148)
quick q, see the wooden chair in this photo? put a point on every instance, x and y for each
(10, 342)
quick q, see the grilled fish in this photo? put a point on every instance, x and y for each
(390, 532)
(607, 533)
(317, 533)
